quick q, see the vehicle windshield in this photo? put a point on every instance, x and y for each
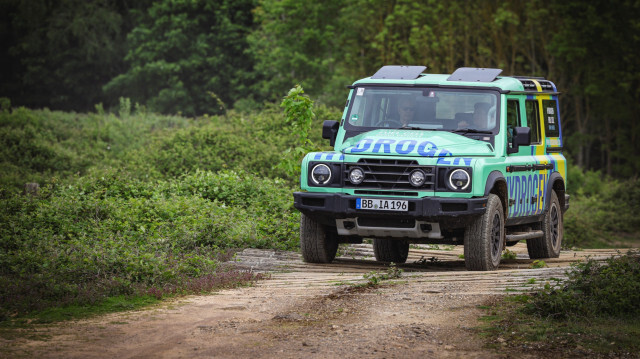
(455, 110)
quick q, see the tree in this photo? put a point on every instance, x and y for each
(597, 46)
(297, 41)
(61, 52)
(187, 56)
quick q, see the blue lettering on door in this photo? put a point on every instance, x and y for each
(527, 193)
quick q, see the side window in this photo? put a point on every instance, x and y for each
(513, 119)
(550, 115)
(533, 120)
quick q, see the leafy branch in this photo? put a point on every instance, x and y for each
(298, 111)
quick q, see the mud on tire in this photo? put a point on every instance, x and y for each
(484, 238)
(390, 250)
(553, 231)
(318, 243)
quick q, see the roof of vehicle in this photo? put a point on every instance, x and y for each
(462, 78)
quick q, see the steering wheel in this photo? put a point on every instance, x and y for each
(389, 123)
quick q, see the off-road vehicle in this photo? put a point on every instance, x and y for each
(470, 158)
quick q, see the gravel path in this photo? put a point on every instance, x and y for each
(312, 311)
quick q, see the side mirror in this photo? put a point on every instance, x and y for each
(521, 137)
(330, 131)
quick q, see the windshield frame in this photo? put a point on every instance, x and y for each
(352, 130)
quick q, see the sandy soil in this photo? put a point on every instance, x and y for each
(311, 311)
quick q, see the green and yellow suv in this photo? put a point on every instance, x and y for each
(470, 158)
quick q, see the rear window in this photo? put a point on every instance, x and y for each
(551, 118)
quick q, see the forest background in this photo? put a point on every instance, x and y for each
(154, 132)
(197, 57)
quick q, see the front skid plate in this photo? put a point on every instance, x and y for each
(350, 227)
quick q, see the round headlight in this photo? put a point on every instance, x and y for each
(417, 178)
(459, 180)
(356, 175)
(320, 174)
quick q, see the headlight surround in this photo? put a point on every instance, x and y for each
(417, 178)
(321, 174)
(459, 180)
(356, 175)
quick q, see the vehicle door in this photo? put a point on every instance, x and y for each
(525, 181)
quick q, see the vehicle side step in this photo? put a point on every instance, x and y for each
(518, 236)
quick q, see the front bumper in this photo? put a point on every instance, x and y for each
(327, 207)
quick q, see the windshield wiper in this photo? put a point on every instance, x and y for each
(470, 130)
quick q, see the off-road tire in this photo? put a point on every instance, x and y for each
(484, 238)
(553, 231)
(390, 250)
(318, 243)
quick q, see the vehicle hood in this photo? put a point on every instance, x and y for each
(418, 143)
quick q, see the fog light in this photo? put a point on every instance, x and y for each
(356, 175)
(417, 178)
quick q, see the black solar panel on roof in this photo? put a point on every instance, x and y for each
(398, 72)
(472, 74)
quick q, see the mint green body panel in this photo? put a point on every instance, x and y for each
(528, 190)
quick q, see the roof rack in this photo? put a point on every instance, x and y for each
(530, 86)
(474, 74)
(394, 72)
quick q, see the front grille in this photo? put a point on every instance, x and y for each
(384, 174)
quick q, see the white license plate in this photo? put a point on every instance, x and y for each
(382, 204)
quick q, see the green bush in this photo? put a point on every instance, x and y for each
(37, 145)
(137, 202)
(253, 142)
(602, 211)
(108, 233)
(594, 289)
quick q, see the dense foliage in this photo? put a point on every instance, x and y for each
(187, 56)
(206, 56)
(593, 313)
(108, 233)
(137, 202)
(594, 289)
(603, 211)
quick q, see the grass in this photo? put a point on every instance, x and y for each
(375, 278)
(505, 325)
(537, 264)
(593, 313)
(508, 254)
(120, 303)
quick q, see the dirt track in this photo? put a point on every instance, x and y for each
(312, 311)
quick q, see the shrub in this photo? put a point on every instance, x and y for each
(109, 233)
(594, 289)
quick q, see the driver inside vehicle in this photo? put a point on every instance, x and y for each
(406, 111)
(480, 117)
